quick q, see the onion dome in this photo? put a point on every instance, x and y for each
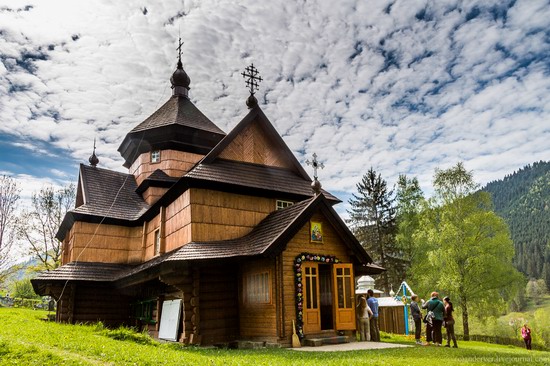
(316, 186)
(93, 158)
(180, 81)
(251, 102)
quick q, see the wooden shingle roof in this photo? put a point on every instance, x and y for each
(109, 193)
(78, 271)
(104, 194)
(176, 125)
(181, 111)
(255, 176)
(84, 271)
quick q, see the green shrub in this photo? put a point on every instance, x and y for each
(23, 289)
(128, 334)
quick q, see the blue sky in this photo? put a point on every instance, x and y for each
(402, 86)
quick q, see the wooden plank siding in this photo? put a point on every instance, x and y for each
(90, 242)
(172, 162)
(391, 319)
(253, 146)
(332, 245)
(220, 216)
(152, 194)
(178, 222)
(152, 226)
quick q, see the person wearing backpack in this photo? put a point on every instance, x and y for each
(436, 311)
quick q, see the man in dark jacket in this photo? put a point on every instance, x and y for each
(417, 317)
(437, 308)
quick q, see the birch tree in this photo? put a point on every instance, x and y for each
(39, 225)
(9, 195)
(468, 249)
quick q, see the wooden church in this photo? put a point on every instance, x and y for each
(210, 238)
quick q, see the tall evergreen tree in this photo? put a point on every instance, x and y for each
(372, 219)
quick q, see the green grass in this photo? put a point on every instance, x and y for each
(25, 339)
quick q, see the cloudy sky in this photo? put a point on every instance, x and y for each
(402, 86)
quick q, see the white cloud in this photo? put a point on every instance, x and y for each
(402, 86)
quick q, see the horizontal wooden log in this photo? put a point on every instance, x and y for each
(216, 314)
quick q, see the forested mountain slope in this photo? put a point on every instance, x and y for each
(523, 200)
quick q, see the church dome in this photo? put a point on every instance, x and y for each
(180, 77)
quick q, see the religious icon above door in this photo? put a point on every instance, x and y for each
(316, 232)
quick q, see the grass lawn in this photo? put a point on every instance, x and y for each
(25, 339)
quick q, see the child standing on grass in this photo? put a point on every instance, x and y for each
(526, 335)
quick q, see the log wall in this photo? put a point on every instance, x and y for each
(90, 242)
(300, 243)
(258, 320)
(174, 163)
(219, 307)
(252, 145)
(91, 303)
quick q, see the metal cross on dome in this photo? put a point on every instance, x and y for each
(180, 43)
(315, 164)
(251, 73)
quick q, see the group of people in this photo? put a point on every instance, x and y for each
(367, 314)
(439, 315)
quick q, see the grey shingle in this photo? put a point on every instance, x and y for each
(255, 176)
(178, 110)
(110, 194)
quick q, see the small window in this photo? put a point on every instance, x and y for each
(257, 288)
(283, 204)
(155, 156)
(144, 311)
(157, 241)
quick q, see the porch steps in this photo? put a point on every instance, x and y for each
(321, 341)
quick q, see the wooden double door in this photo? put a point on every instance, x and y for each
(329, 297)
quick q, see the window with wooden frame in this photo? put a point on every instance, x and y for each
(257, 288)
(283, 204)
(157, 241)
(155, 156)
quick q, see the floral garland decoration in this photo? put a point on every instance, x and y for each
(299, 287)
